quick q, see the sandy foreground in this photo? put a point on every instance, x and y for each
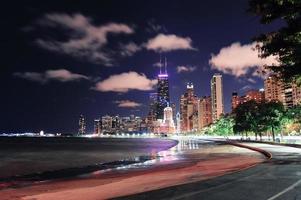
(194, 165)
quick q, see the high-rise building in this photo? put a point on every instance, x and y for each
(178, 120)
(235, 100)
(273, 88)
(174, 110)
(106, 124)
(188, 107)
(116, 124)
(217, 96)
(296, 94)
(168, 121)
(97, 126)
(256, 95)
(82, 125)
(151, 117)
(277, 90)
(204, 112)
(163, 92)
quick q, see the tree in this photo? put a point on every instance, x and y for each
(224, 126)
(245, 117)
(285, 42)
(271, 114)
(291, 119)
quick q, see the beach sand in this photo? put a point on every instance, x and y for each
(193, 165)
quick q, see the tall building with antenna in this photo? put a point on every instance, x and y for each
(163, 91)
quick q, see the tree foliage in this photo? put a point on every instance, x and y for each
(285, 42)
(223, 127)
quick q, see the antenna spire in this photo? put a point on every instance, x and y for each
(160, 64)
(165, 65)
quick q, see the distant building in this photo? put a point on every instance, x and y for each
(178, 121)
(152, 113)
(204, 112)
(188, 107)
(97, 126)
(236, 100)
(82, 125)
(217, 97)
(163, 92)
(168, 120)
(116, 121)
(274, 89)
(296, 93)
(174, 110)
(277, 90)
(106, 124)
(256, 95)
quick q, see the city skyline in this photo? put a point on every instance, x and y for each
(52, 80)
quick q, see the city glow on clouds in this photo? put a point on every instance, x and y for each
(239, 60)
(129, 49)
(127, 104)
(182, 68)
(124, 82)
(165, 43)
(86, 41)
(61, 75)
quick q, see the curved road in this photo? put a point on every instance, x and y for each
(278, 178)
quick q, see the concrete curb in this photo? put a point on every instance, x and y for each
(267, 154)
(237, 143)
(271, 143)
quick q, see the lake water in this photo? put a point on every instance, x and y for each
(29, 157)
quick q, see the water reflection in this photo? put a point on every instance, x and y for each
(171, 155)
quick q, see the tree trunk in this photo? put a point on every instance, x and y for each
(273, 134)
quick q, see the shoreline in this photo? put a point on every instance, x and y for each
(213, 163)
(74, 171)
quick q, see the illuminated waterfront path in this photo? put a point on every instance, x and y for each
(278, 178)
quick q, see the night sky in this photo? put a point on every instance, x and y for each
(60, 59)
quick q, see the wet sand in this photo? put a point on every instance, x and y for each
(174, 167)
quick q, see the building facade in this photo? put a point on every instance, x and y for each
(277, 90)
(217, 97)
(106, 124)
(273, 89)
(256, 95)
(152, 112)
(204, 112)
(82, 125)
(188, 108)
(97, 126)
(162, 93)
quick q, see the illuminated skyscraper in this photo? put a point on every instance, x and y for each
(217, 97)
(97, 126)
(152, 113)
(82, 125)
(168, 120)
(235, 100)
(106, 124)
(188, 108)
(178, 120)
(163, 92)
(274, 89)
(204, 112)
(256, 95)
(277, 90)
